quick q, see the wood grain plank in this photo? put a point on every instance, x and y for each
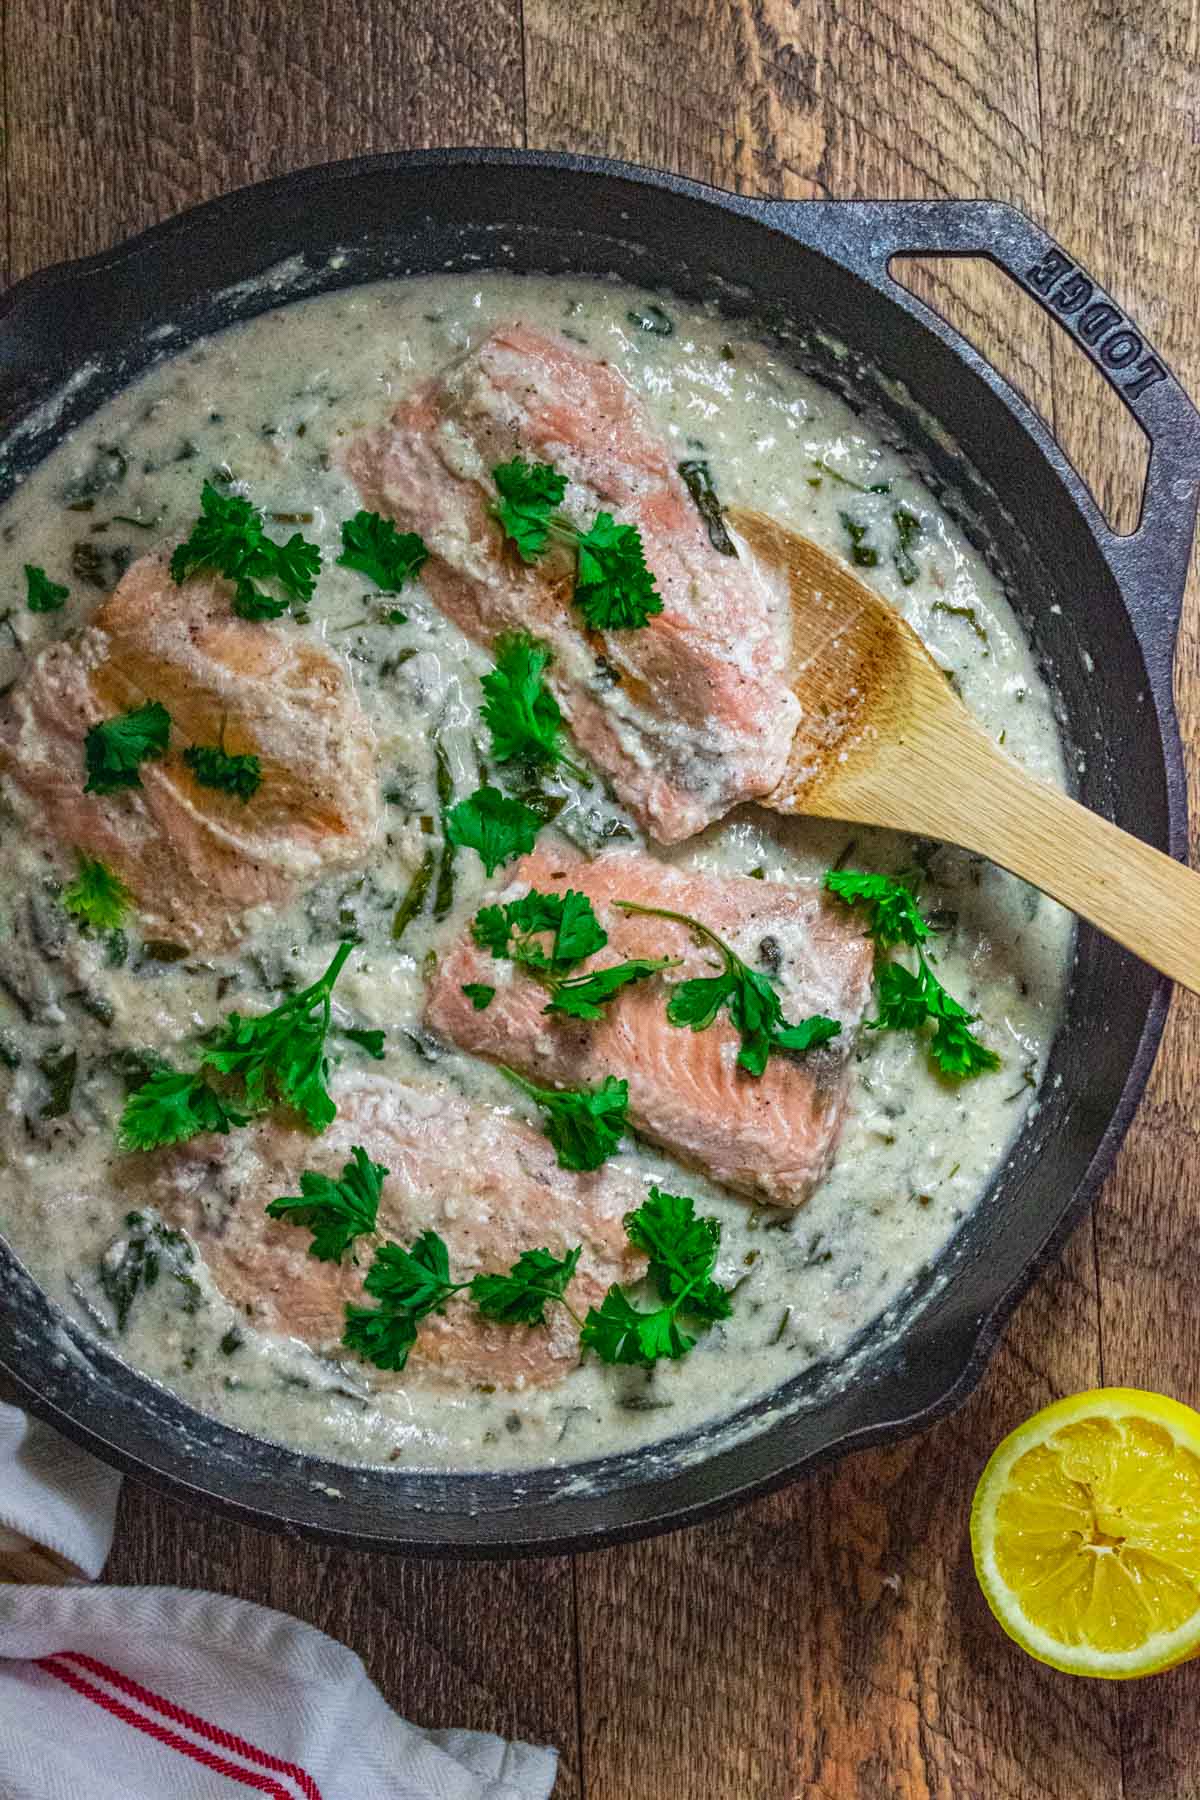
(1121, 103)
(146, 108)
(831, 1641)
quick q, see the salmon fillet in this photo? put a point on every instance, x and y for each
(699, 715)
(196, 859)
(772, 1137)
(486, 1182)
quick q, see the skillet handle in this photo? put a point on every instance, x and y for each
(1158, 552)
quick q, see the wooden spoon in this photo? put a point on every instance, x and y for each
(884, 740)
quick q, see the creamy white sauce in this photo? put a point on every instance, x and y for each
(270, 403)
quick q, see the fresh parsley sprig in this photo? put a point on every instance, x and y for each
(683, 1253)
(409, 1284)
(614, 590)
(169, 1108)
(515, 932)
(908, 1000)
(892, 913)
(373, 546)
(278, 1056)
(281, 1055)
(584, 1125)
(497, 826)
(229, 538)
(97, 898)
(519, 710)
(214, 767)
(750, 998)
(520, 1297)
(335, 1211)
(114, 750)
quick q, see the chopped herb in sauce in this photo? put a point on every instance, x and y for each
(963, 612)
(58, 1067)
(697, 478)
(132, 1265)
(651, 318)
(415, 896)
(908, 530)
(41, 594)
(861, 552)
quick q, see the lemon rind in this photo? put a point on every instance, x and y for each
(1157, 1653)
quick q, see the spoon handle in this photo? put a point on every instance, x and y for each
(960, 787)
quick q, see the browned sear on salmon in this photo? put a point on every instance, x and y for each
(687, 716)
(196, 859)
(486, 1183)
(771, 1136)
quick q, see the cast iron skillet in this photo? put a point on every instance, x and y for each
(816, 273)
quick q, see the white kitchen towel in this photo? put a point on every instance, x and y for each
(113, 1693)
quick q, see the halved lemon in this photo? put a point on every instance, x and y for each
(1086, 1534)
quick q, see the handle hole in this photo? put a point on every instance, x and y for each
(1103, 441)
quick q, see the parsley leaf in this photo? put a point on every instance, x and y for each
(168, 1109)
(614, 589)
(479, 994)
(370, 1041)
(113, 749)
(410, 1284)
(97, 897)
(213, 767)
(495, 825)
(519, 710)
(229, 539)
(908, 999)
(512, 931)
(373, 546)
(281, 1055)
(683, 1252)
(908, 530)
(41, 594)
(528, 492)
(585, 1125)
(752, 1000)
(519, 1298)
(861, 551)
(893, 914)
(338, 1211)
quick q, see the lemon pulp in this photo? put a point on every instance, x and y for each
(1086, 1533)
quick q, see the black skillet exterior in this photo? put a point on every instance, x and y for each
(800, 266)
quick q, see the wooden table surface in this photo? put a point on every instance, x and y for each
(829, 1642)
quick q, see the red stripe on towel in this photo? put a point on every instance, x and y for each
(181, 1716)
(171, 1740)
